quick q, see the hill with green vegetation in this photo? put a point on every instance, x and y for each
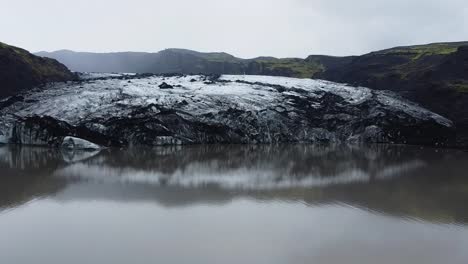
(403, 66)
(434, 75)
(294, 67)
(20, 70)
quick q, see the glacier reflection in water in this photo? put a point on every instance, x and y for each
(234, 204)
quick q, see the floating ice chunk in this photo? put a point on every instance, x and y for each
(78, 143)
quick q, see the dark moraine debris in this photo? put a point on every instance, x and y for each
(45, 130)
(164, 85)
(233, 109)
(10, 100)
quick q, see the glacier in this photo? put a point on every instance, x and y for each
(131, 109)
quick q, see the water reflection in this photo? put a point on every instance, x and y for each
(401, 181)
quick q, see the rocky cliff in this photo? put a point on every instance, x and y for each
(20, 70)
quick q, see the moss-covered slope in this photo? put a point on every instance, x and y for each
(20, 70)
(403, 66)
(434, 75)
(294, 67)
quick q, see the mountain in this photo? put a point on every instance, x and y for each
(193, 62)
(21, 70)
(166, 61)
(434, 75)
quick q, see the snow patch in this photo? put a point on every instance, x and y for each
(351, 94)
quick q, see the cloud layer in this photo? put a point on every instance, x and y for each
(245, 28)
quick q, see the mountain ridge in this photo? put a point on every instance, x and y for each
(187, 61)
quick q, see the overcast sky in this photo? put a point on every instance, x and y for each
(245, 28)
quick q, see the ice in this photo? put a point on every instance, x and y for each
(94, 98)
(390, 99)
(78, 144)
(351, 94)
(96, 75)
(276, 103)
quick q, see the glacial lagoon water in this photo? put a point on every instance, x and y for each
(234, 204)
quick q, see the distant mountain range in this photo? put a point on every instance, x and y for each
(193, 62)
(435, 75)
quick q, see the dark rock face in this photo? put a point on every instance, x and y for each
(10, 100)
(20, 70)
(49, 131)
(232, 109)
(40, 131)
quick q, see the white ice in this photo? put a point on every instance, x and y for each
(76, 102)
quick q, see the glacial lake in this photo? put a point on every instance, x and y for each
(234, 204)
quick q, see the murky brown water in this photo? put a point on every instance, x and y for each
(234, 204)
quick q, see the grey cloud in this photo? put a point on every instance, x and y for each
(246, 28)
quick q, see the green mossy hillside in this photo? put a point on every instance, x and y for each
(434, 75)
(20, 70)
